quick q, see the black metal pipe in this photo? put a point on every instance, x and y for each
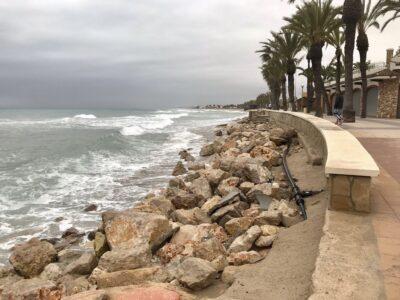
(295, 189)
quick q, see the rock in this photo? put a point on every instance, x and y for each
(177, 183)
(67, 255)
(83, 265)
(196, 273)
(125, 229)
(238, 225)
(280, 136)
(190, 216)
(30, 258)
(179, 169)
(34, 288)
(201, 188)
(137, 256)
(104, 279)
(246, 186)
(272, 157)
(71, 285)
(268, 230)
(183, 199)
(191, 175)
(268, 189)
(90, 207)
(91, 235)
(228, 185)
(210, 149)
(157, 205)
(195, 166)
(169, 251)
(244, 257)
(256, 173)
(218, 132)
(198, 233)
(100, 244)
(52, 272)
(265, 241)
(71, 232)
(234, 210)
(215, 176)
(245, 241)
(210, 204)
(268, 218)
(262, 127)
(219, 263)
(233, 127)
(58, 219)
(209, 249)
(185, 155)
(228, 275)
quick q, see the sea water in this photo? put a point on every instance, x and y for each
(54, 163)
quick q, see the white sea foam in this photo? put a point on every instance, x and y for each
(132, 130)
(85, 116)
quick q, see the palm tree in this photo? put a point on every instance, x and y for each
(272, 72)
(310, 88)
(390, 6)
(287, 44)
(368, 19)
(336, 39)
(314, 20)
(352, 11)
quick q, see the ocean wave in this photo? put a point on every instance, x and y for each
(85, 116)
(132, 130)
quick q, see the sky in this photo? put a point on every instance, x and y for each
(141, 53)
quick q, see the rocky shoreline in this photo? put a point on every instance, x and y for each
(221, 210)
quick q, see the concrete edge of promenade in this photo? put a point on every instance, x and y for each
(347, 266)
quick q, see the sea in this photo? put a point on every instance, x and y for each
(54, 163)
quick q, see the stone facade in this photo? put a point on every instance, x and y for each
(349, 193)
(388, 98)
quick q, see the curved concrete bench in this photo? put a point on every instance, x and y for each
(348, 166)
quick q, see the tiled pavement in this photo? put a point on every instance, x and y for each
(381, 137)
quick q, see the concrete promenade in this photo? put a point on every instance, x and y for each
(381, 137)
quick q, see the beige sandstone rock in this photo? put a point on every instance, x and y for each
(265, 241)
(238, 225)
(30, 258)
(83, 265)
(244, 257)
(268, 218)
(190, 216)
(100, 244)
(269, 230)
(228, 185)
(183, 199)
(179, 169)
(201, 188)
(34, 288)
(246, 186)
(210, 204)
(245, 241)
(196, 273)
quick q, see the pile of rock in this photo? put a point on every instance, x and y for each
(184, 237)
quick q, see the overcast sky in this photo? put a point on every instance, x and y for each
(139, 53)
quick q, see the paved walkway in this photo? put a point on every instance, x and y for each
(381, 137)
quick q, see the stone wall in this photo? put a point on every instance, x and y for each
(388, 98)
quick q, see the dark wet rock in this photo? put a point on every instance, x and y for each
(90, 207)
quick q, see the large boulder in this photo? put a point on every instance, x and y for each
(198, 233)
(265, 241)
(52, 272)
(35, 288)
(245, 241)
(201, 188)
(137, 256)
(280, 136)
(215, 176)
(83, 265)
(179, 169)
(267, 189)
(196, 273)
(211, 204)
(184, 199)
(256, 173)
(210, 149)
(233, 210)
(158, 205)
(238, 226)
(104, 279)
(271, 156)
(228, 185)
(209, 249)
(30, 258)
(268, 217)
(190, 216)
(125, 229)
(100, 244)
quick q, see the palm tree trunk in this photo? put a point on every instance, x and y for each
(352, 11)
(291, 90)
(362, 45)
(326, 99)
(310, 90)
(316, 58)
(284, 97)
(338, 72)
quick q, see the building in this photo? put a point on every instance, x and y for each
(383, 94)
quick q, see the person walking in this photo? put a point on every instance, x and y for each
(338, 108)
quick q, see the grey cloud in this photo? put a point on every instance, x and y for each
(140, 54)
